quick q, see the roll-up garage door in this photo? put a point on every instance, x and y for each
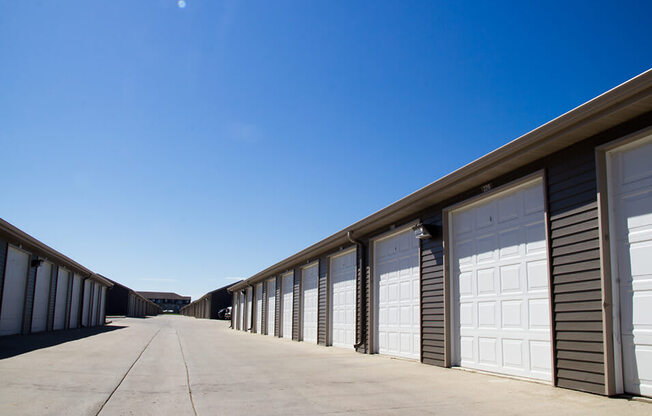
(501, 306)
(271, 306)
(41, 295)
(287, 297)
(630, 214)
(76, 298)
(60, 303)
(310, 277)
(397, 284)
(249, 309)
(342, 299)
(259, 308)
(13, 294)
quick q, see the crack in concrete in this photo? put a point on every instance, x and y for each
(192, 400)
(128, 370)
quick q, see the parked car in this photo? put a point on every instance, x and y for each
(224, 313)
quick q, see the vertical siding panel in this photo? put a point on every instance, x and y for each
(4, 246)
(432, 288)
(30, 289)
(263, 317)
(573, 229)
(363, 298)
(322, 295)
(277, 307)
(296, 304)
(53, 296)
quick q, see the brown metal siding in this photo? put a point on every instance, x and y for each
(432, 298)
(322, 295)
(296, 304)
(53, 296)
(277, 307)
(263, 315)
(3, 261)
(575, 270)
(363, 312)
(28, 306)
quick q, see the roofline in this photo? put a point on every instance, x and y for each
(32, 244)
(618, 103)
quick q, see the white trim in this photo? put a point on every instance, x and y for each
(607, 151)
(329, 293)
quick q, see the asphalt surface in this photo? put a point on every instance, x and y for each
(174, 365)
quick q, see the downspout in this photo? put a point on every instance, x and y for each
(363, 290)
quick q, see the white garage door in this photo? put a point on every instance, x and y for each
(60, 303)
(397, 283)
(630, 189)
(76, 299)
(310, 278)
(41, 295)
(249, 309)
(87, 301)
(342, 299)
(271, 306)
(287, 287)
(96, 304)
(500, 284)
(259, 308)
(13, 294)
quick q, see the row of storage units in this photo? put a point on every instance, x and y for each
(533, 261)
(43, 290)
(123, 301)
(209, 305)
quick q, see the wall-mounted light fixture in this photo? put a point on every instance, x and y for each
(36, 262)
(426, 231)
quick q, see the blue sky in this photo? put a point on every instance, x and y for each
(182, 149)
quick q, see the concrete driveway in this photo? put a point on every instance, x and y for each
(174, 365)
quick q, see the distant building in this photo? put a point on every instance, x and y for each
(168, 301)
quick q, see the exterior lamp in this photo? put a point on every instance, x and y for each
(425, 232)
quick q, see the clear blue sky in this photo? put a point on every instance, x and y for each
(180, 149)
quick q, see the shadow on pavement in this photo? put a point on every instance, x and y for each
(13, 345)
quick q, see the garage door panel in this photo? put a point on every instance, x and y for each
(310, 282)
(343, 300)
(16, 269)
(271, 306)
(630, 213)
(500, 283)
(396, 275)
(287, 295)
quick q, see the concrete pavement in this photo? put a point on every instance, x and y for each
(174, 365)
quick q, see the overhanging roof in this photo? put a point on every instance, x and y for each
(622, 103)
(21, 238)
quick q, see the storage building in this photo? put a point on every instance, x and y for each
(123, 301)
(208, 306)
(44, 290)
(533, 261)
